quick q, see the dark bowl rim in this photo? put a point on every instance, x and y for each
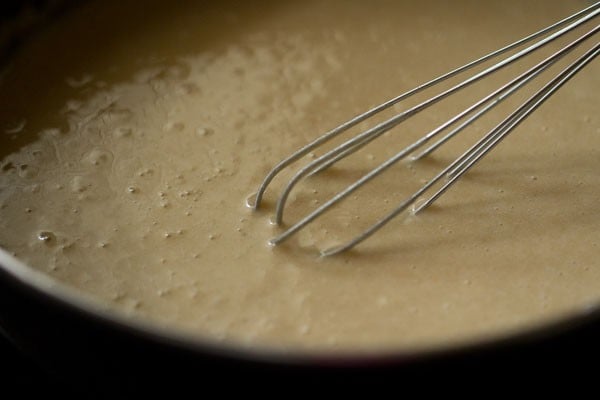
(83, 306)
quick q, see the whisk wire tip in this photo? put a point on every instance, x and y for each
(413, 152)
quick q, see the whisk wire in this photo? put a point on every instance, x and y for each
(364, 138)
(497, 134)
(255, 201)
(493, 99)
(489, 142)
(466, 160)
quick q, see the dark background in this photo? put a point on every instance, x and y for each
(20, 374)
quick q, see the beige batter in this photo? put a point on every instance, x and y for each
(130, 138)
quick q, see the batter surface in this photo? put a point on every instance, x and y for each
(130, 139)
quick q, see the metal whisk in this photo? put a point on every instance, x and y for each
(449, 175)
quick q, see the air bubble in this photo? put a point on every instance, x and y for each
(145, 172)
(251, 201)
(7, 167)
(78, 185)
(203, 131)
(46, 236)
(34, 188)
(174, 126)
(98, 157)
(27, 172)
(188, 88)
(16, 127)
(123, 132)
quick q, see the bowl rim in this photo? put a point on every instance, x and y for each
(85, 305)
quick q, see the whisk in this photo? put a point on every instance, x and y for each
(451, 173)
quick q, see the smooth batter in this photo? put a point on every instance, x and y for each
(131, 138)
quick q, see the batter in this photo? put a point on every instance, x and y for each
(131, 137)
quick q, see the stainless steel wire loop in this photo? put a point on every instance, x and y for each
(450, 174)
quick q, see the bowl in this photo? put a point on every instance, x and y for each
(77, 340)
